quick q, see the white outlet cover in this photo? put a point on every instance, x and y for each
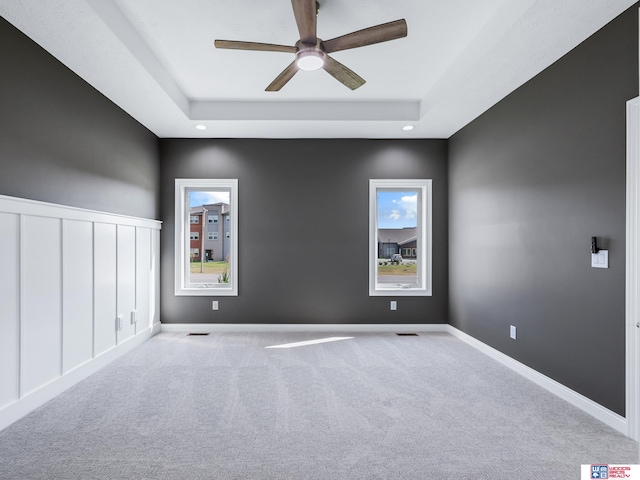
(394, 305)
(512, 332)
(214, 305)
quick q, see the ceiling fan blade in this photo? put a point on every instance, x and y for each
(368, 36)
(263, 47)
(343, 74)
(282, 79)
(305, 13)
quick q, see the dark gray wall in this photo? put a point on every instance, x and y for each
(63, 142)
(303, 228)
(531, 181)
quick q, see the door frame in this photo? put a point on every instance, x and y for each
(632, 271)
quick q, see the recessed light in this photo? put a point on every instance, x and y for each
(406, 128)
(201, 127)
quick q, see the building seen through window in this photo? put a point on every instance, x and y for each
(212, 240)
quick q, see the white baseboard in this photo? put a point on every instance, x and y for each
(260, 327)
(25, 405)
(594, 409)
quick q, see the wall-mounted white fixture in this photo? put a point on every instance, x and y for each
(214, 305)
(393, 305)
(512, 331)
(600, 259)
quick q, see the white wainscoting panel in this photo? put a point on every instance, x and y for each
(143, 278)
(77, 293)
(154, 301)
(126, 280)
(64, 272)
(105, 278)
(41, 305)
(9, 313)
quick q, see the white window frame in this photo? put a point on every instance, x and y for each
(193, 236)
(424, 240)
(183, 187)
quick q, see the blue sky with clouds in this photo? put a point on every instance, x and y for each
(203, 198)
(397, 209)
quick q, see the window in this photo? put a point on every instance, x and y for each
(400, 237)
(227, 218)
(228, 234)
(409, 252)
(194, 219)
(193, 274)
(213, 218)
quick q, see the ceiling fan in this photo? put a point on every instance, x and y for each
(312, 53)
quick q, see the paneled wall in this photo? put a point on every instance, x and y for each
(77, 289)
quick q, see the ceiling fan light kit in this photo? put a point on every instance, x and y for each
(310, 58)
(311, 53)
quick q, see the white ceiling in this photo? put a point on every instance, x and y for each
(156, 60)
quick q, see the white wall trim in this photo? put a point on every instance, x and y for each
(259, 327)
(25, 206)
(21, 303)
(15, 411)
(585, 404)
(46, 352)
(632, 283)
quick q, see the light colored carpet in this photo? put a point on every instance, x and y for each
(377, 406)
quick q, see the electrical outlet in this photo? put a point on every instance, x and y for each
(512, 332)
(394, 305)
(214, 305)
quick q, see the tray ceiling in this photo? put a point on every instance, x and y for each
(156, 60)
